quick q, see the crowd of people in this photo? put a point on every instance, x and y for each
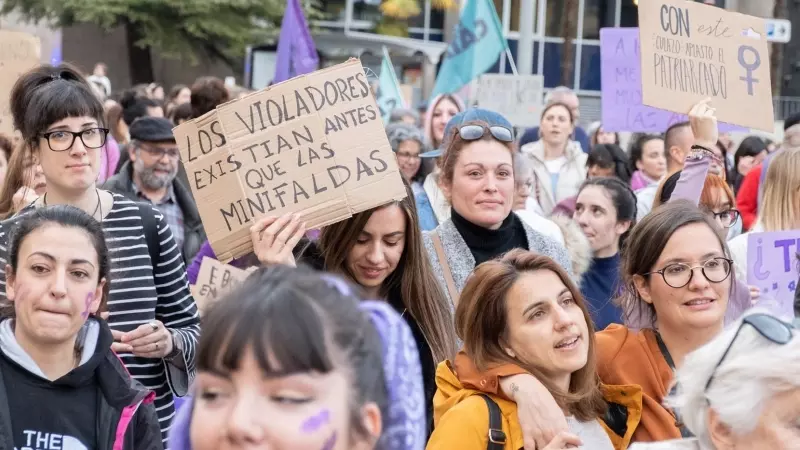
(548, 291)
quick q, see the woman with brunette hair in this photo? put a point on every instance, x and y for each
(523, 309)
(559, 163)
(24, 182)
(60, 381)
(151, 312)
(605, 160)
(648, 161)
(381, 251)
(477, 178)
(677, 276)
(294, 360)
(606, 212)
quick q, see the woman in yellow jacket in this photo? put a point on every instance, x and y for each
(524, 309)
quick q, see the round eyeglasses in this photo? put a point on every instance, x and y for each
(727, 218)
(678, 275)
(62, 140)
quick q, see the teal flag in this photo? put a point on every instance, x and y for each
(477, 44)
(389, 95)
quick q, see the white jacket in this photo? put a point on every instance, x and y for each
(439, 203)
(570, 178)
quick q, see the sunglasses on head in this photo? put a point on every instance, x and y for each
(475, 132)
(769, 327)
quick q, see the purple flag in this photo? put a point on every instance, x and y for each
(621, 87)
(297, 54)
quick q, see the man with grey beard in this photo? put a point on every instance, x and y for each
(149, 177)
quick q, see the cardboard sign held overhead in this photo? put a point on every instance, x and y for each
(621, 87)
(690, 51)
(214, 281)
(19, 52)
(519, 97)
(313, 145)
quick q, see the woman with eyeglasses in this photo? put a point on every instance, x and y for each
(779, 208)
(741, 390)
(526, 209)
(677, 278)
(699, 183)
(152, 314)
(559, 163)
(477, 178)
(407, 143)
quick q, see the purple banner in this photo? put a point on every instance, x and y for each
(772, 266)
(621, 85)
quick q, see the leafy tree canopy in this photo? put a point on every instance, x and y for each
(220, 29)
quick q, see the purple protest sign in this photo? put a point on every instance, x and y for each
(621, 87)
(772, 266)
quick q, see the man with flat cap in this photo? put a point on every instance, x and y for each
(150, 176)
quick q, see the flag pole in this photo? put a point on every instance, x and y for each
(511, 61)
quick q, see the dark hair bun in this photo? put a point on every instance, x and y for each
(46, 94)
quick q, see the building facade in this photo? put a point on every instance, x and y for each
(548, 41)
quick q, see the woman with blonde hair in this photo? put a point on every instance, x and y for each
(779, 208)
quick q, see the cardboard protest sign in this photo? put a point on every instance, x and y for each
(214, 280)
(19, 52)
(690, 51)
(621, 87)
(313, 145)
(772, 265)
(519, 97)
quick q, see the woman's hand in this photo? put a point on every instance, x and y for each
(274, 238)
(563, 441)
(540, 417)
(703, 121)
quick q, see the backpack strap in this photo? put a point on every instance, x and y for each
(497, 438)
(150, 232)
(448, 274)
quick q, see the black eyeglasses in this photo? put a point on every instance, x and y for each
(475, 132)
(158, 152)
(771, 328)
(678, 275)
(62, 140)
(727, 218)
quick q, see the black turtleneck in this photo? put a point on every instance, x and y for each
(486, 244)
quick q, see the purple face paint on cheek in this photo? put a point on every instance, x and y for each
(316, 421)
(330, 443)
(86, 304)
